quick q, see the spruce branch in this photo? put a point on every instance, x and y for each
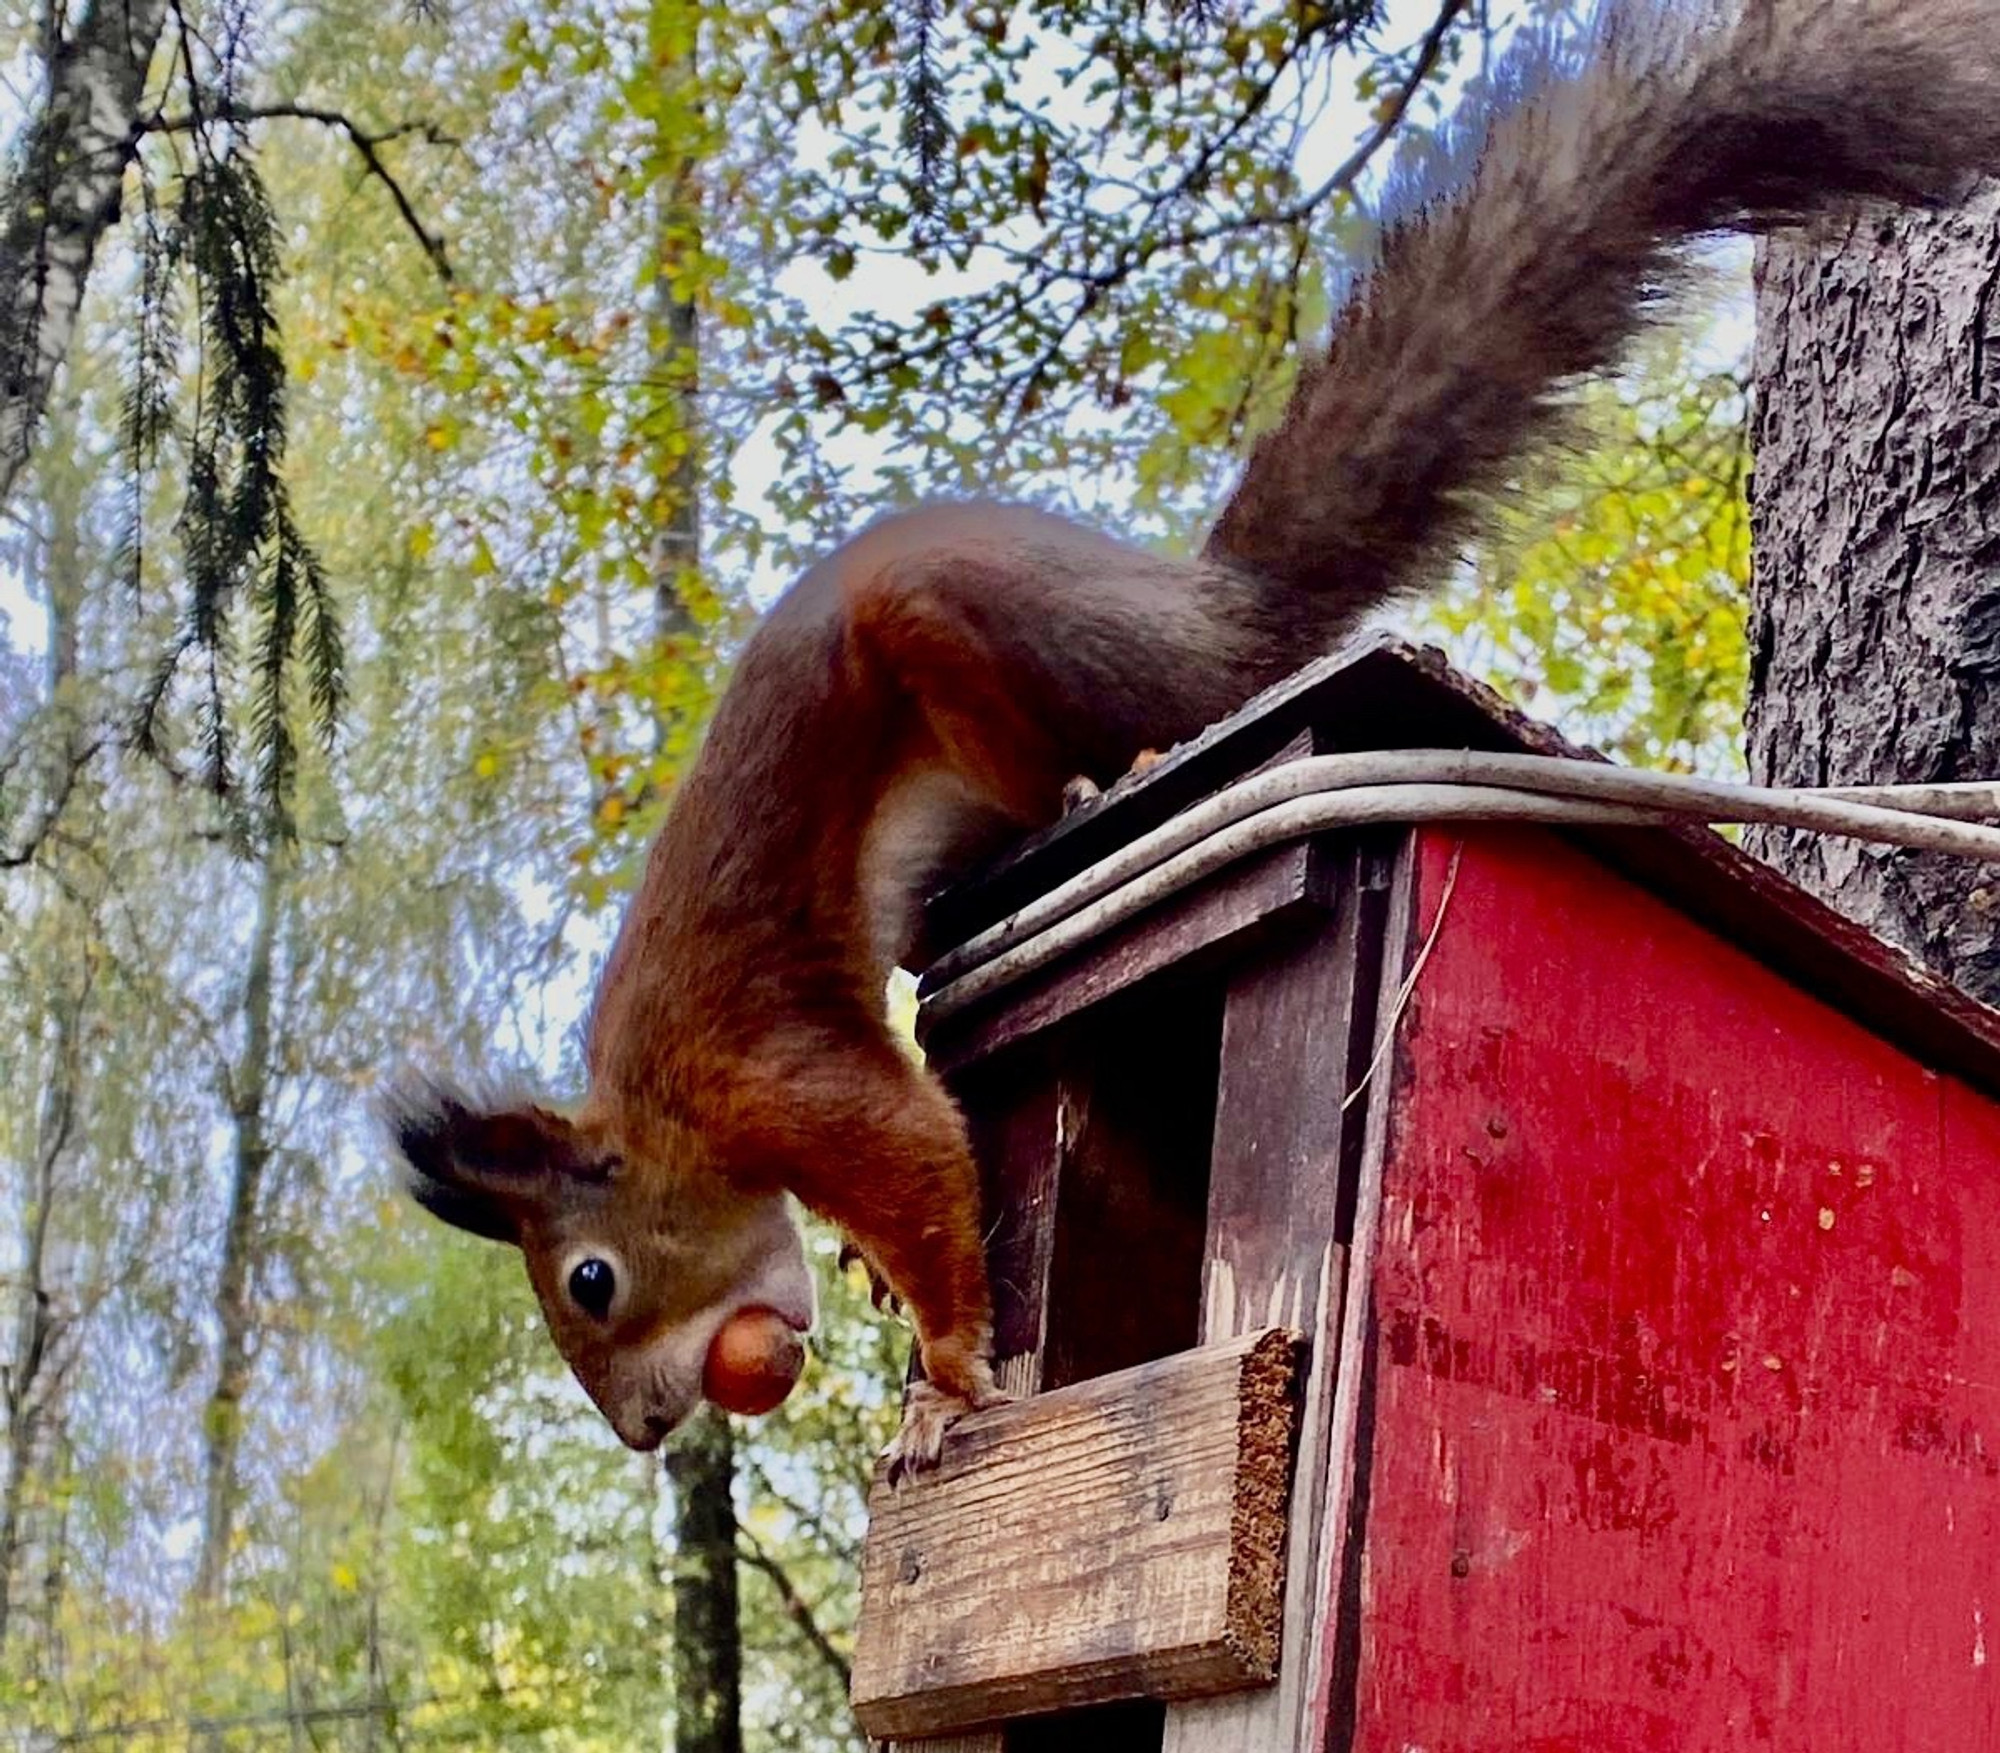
(927, 131)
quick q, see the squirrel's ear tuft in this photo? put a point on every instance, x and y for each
(463, 1208)
(476, 1166)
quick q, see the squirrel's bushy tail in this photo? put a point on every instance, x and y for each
(1583, 172)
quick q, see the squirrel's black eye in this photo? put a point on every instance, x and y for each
(592, 1286)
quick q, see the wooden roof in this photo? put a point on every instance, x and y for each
(1382, 693)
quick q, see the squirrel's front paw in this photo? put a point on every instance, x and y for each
(927, 1414)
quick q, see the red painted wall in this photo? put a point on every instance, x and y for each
(1686, 1333)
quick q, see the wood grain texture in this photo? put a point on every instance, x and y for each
(1651, 1289)
(1014, 1115)
(1297, 1034)
(1258, 896)
(1122, 1538)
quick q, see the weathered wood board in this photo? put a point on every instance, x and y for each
(1121, 1538)
(1222, 916)
(1299, 1031)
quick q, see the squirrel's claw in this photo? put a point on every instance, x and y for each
(928, 1413)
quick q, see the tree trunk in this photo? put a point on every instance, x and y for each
(28, 1374)
(242, 1244)
(707, 1637)
(37, 1356)
(708, 1642)
(677, 550)
(62, 199)
(1875, 620)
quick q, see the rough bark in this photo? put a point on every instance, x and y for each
(708, 1642)
(243, 1238)
(1875, 625)
(63, 195)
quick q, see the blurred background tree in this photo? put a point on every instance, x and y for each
(402, 416)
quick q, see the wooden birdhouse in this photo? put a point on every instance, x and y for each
(1477, 1287)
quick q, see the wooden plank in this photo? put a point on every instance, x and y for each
(1335, 1586)
(1015, 1111)
(1079, 1162)
(1014, 1115)
(1296, 1042)
(1685, 1331)
(1181, 935)
(1122, 1538)
(1075, 1163)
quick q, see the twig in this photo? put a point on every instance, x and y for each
(1139, 250)
(1390, 120)
(795, 1605)
(27, 847)
(811, 1520)
(367, 144)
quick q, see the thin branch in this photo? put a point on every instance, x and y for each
(1024, 385)
(1349, 172)
(797, 1609)
(25, 848)
(1195, 179)
(1390, 120)
(811, 1520)
(185, 38)
(367, 144)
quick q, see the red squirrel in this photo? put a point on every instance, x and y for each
(927, 691)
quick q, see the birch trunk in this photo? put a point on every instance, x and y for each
(243, 1237)
(42, 1344)
(62, 199)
